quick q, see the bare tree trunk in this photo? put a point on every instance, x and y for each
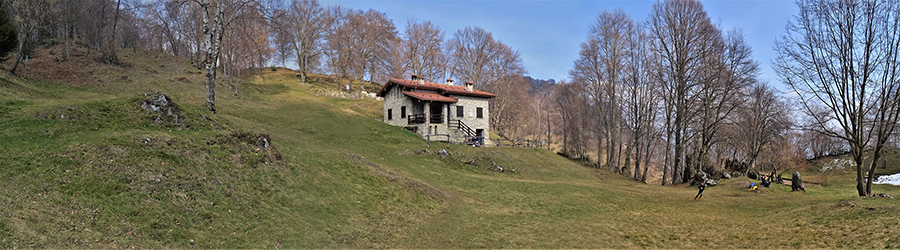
(108, 54)
(678, 165)
(211, 88)
(20, 55)
(67, 34)
(637, 164)
(647, 154)
(668, 160)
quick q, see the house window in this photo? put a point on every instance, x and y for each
(459, 111)
(390, 114)
(403, 112)
(479, 112)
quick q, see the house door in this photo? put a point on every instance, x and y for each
(436, 113)
(479, 133)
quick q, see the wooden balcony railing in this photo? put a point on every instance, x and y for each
(416, 119)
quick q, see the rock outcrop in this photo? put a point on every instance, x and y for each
(797, 182)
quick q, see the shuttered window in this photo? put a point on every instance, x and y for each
(479, 113)
(459, 111)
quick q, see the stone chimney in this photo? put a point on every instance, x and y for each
(449, 82)
(417, 79)
(469, 86)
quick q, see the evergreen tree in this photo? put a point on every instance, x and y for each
(7, 34)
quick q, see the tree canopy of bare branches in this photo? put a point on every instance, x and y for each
(601, 64)
(217, 17)
(843, 55)
(476, 57)
(28, 17)
(683, 38)
(304, 26)
(761, 120)
(421, 50)
(358, 44)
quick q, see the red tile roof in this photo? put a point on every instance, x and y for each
(442, 89)
(430, 97)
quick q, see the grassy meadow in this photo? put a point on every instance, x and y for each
(283, 165)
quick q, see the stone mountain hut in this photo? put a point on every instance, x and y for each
(428, 108)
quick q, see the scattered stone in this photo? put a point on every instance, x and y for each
(163, 106)
(883, 196)
(496, 168)
(753, 175)
(797, 182)
(847, 204)
(703, 177)
(726, 176)
(443, 153)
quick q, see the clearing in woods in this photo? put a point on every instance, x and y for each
(284, 165)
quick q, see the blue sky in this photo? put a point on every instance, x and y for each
(548, 33)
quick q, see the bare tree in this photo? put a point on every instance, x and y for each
(422, 50)
(108, 51)
(640, 101)
(503, 74)
(68, 13)
(359, 44)
(375, 35)
(305, 26)
(683, 37)
(601, 63)
(761, 121)
(338, 39)
(245, 45)
(843, 56)
(730, 70)
(28, 17)
(470, 50)
(511, 106)
(543, 106)
(281, 37)
(491, 65)
(573, 104)
(222, 13)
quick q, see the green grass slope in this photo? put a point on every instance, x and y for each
(282, 165)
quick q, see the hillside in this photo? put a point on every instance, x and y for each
(283, 165)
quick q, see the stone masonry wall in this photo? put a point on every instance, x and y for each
(394, 100)
(470, 116)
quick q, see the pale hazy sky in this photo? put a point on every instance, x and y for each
(548, 33)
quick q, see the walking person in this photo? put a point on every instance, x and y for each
(700, 193)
